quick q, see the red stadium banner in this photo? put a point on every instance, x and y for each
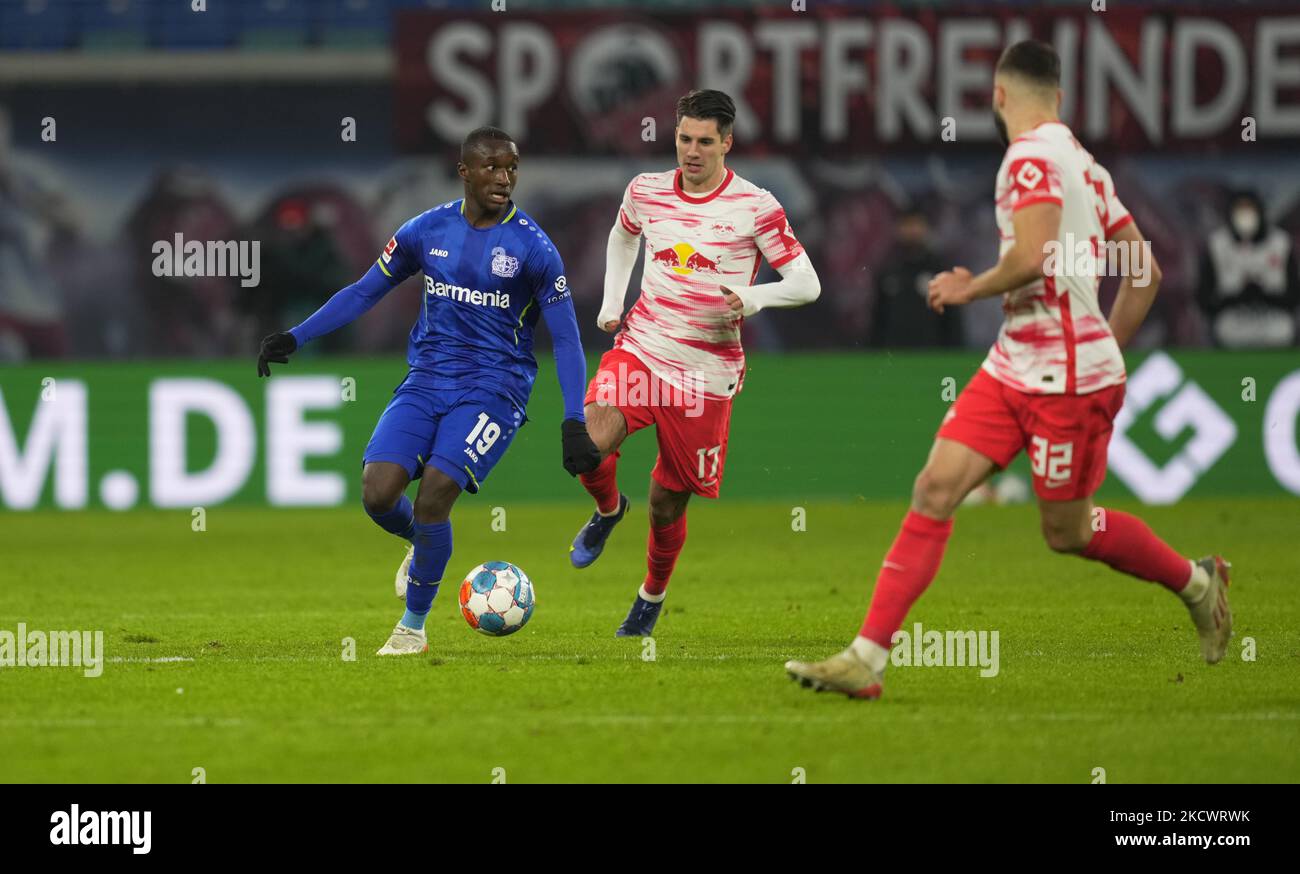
(839, 81)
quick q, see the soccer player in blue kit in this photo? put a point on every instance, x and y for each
(489, 271)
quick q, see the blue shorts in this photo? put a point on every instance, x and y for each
(461, 432)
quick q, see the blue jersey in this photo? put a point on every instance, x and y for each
(484, 289)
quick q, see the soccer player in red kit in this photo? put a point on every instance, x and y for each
(1052, 383)
(677, 359)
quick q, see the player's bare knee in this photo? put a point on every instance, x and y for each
(1064, 539)
(606, 427)
(666, 507)
(934, 495)
(380, 490)
(438, 492)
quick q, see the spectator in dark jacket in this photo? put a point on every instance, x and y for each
(900, 316)
(1249, 286)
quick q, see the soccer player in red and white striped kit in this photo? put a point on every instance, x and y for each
(1052, 383)
(677, 361)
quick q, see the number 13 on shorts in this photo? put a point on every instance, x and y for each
(1051, 461)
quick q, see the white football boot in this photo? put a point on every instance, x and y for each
(405, 641)
(1211, 613)
(844, 673)
(399, 581)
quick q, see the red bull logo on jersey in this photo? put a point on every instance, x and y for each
(684, 259)
(467, 295)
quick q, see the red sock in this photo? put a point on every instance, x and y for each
(1129, 546)
(602, 484)
(661, 554)
(909, 567)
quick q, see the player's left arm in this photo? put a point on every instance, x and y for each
(551, 291)
(1036, 225)
(799, 283)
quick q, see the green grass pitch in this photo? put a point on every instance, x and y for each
(1096, 670)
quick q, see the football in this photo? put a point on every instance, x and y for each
(497, 598)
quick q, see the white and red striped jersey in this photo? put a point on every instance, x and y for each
(1054, 338)
(681, 327)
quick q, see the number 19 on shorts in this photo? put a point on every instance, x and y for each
(485, 433)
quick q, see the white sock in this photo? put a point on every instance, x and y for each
(653, 599)
(1196, 585)
(870, 653)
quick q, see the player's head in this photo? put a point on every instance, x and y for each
(704, 120)
(913, 229)
(489, 165)
(1027, 81)
(1246, 214)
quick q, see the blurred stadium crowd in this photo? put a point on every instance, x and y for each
(78, 223)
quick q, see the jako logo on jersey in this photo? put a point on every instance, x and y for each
(503, 264)
(441, 253)
(683, 259)
(467, 295)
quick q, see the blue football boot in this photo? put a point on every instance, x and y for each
(590, 541)
(641, 619)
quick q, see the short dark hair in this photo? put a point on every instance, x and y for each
(705, 104)
(480, 136)
(1033, 60)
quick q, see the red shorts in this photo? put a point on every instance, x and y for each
(1066, 435)
(692, 430)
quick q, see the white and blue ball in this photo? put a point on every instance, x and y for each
(497, 598)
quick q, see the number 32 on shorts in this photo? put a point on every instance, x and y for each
(706, 454)
(1051, 461)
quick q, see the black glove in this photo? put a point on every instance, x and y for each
(580, 454)
(277, 348)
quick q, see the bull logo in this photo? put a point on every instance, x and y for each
(684, 259)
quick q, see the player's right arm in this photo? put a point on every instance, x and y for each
(620, 258)
(1137, 290)
(399, 260)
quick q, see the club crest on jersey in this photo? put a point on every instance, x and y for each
(1030, 175)
(503, 264)
(684, 259)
